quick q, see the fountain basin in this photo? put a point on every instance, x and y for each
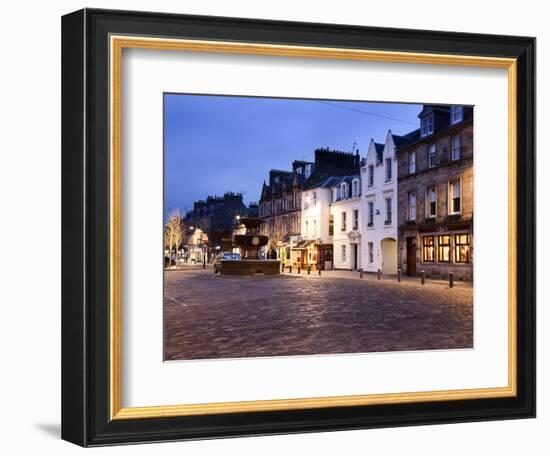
(250, 267)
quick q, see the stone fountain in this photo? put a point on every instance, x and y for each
(250, 244)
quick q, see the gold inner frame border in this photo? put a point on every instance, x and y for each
(116, 46)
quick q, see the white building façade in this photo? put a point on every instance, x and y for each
(378, 227)
(346, 217)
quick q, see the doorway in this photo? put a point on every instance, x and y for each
(389, 256)
(354, 257)
(411, 256)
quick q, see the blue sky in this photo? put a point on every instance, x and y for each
(215, 144)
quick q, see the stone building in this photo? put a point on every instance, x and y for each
(210, 224)
(280, 208)
(435, 191)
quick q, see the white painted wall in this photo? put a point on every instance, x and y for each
(342, 237)
(377, 193)
(315, 214)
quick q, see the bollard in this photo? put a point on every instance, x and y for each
(319, 270)
(309, 269)
(399, 275)
(290, 269)
(282, 267)
(451, 280)
(361, 273)
(299, 269)
(423, 277)
(379, 273)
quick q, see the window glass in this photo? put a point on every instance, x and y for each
(388, 169)
(455, 197)
(371, 252)
(455, 150)
(444, 249)
(462, 248)
(371, 176)
(432, 156)
(388, 211)
(432, 201)
(456, 114)
(428, 248)
(371, 213)
(412, 205)
(412, 162)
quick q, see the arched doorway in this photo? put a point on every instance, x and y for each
(389, 255)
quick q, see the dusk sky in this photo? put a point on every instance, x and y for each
(215, 144)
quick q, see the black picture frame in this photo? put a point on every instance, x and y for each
(85, 227)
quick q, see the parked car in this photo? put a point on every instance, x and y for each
(226, 256)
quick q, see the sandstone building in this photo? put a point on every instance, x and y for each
(435, 194)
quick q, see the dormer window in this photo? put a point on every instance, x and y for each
(355, 187)
(427, 125)
(344, 191)
(457, 114)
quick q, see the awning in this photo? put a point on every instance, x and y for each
(302, 245)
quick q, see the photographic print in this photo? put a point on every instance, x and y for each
(315, 227)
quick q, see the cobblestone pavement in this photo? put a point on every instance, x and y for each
(208, 316)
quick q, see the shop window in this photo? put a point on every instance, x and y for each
(428, 248)
(444, 249)
(462, 248)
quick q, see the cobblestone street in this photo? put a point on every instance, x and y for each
(212, 316)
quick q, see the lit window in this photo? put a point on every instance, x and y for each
(343, 221)
(371, 252)
(444, 249)
(454, 188)
(432, 156)
(412, 162)
(462, 248)
(412, 206)
(388, 212)
(371, 176)
(355, 219)
(455, 148)
(427, 125)
(457, 114)
(428, 248)
(388, 169)
(432, 202)
(371, 213)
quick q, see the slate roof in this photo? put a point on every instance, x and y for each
(379, 148)
(442, 122)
